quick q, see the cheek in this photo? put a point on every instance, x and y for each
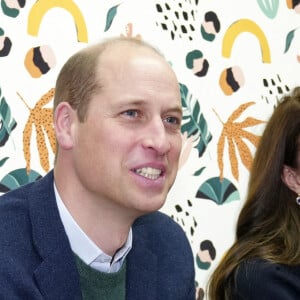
(113, 145)
(89, 141)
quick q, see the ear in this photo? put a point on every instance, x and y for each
(291, 179)
(64, 117)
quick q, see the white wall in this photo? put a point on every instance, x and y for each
(262, 45)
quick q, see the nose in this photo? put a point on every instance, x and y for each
(156, 137)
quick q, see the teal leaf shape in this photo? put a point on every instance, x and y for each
(199, 172)
(289, 38)
(3, 160)
(17, 178)
(218, 191)
(8, 124)
(193, 121)
(269, 7)
(112, 12)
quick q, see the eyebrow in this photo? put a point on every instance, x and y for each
(176, 109)
(139, 103)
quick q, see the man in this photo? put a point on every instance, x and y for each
(90, 228)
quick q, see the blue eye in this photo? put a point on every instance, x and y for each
(172, 120)
(131, 113)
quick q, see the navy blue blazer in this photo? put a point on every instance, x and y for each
(36, 260)
(259, 279)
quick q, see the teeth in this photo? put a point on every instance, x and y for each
(148, 172)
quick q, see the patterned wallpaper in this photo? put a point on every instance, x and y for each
(234, 60)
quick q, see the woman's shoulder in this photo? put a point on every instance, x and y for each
(263, 266)
(267, 280)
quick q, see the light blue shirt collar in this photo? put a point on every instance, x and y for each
(85, 248)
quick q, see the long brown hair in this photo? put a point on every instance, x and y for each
(268, 226)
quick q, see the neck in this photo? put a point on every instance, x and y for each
(104, 228)
(104, 222)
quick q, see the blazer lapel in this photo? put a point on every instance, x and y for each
(57, 278)
(57, 275)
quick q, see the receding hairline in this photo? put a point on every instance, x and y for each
(109, 50)
(114, 42)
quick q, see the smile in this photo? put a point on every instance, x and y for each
(149, 172)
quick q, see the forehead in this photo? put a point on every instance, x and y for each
(122, 57)
(138, 70)
(137, 78)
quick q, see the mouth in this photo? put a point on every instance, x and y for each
(148, 172)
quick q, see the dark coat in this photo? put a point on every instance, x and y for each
(36, 260)
(259, 279)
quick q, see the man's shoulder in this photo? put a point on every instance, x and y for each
(159, 228)
(161, 242)
(157, 220)
(16, 204)
(27, 190)
(15, 229)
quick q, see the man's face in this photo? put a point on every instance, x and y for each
(126, 152)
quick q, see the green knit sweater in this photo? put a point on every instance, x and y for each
(96, 285)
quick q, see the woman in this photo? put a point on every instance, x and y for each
(264, 261)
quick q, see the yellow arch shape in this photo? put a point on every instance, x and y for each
(245, 25)
(40, 8)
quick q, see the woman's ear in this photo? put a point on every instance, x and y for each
(291, 179)
(64, 117)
